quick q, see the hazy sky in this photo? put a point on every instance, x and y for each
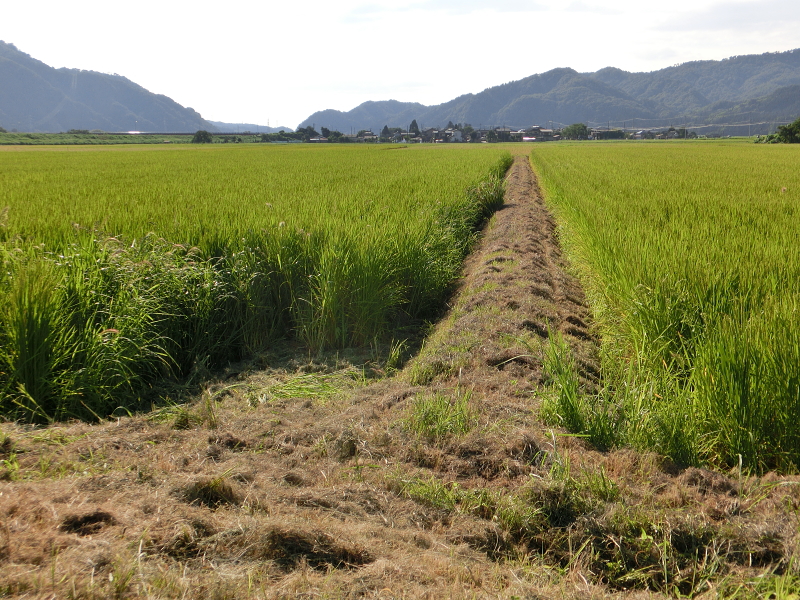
(246, 61)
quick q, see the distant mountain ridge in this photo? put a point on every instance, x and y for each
(223, 127)
(759, 87)
(35, 97)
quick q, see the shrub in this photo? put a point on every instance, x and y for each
(202, 137)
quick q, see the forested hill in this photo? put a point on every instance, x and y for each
(38, 98)
(740, 88)
(224, 127)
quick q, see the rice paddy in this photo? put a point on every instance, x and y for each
(125, 266)
(690, 255)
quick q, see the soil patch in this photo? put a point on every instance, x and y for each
(88, 523)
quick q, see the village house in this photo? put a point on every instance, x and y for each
(428, 135)
(454, 135)
(536, 134)
(433, 135)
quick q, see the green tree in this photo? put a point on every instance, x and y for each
(3, 130)
(326, 133)
(413, 128)
(385, 133)
(576, 131)
(202, 137)
(306, 133)
(789, 134)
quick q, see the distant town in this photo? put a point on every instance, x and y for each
(453, 133)
(458, 133)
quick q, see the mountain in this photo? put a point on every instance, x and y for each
(772, 109)
(372, 112)
(38, 98)
(223, 127)
(740, 89)
(733, 79)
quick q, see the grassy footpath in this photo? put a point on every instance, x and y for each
(125, 266)
(690, 257)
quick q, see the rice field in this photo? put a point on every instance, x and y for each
(122, 266)
(690, 253)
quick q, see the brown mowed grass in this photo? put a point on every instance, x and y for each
(292, 476)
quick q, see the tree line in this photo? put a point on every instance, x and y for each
(786, 134)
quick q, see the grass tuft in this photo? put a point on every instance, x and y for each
(438, 416)
(212, 492)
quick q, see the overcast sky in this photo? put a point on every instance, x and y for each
(254, 62)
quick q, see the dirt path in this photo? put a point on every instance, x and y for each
(515, 293)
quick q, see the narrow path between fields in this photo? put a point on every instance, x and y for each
(515, 293)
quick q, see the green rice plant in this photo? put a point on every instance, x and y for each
(36, 339)
(747, 385)
(689, 257)
(559, 365)
(568, 405)
(123, 267)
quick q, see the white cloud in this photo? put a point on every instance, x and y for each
(372, 12)
(366, 12)
(583, 7)
(463, 7)
(739, 16)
